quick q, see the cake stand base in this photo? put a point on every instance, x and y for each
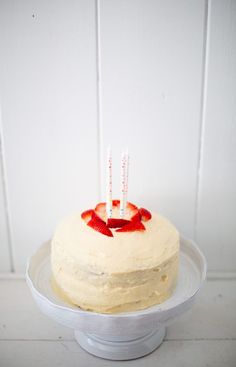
(121, 348)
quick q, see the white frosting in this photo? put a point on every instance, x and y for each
(125, 252)
(130, 271)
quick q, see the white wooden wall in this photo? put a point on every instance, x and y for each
(156, 76)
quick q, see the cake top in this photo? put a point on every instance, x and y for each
(140, 240)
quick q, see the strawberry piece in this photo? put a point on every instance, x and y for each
(131, 210)
(136, 217)
(115, 203)
(131, 206)
(145, 214)
(100, 210)
(87, 215)
(99, 225)
(132, 226)
(100, 207)
(116, 222)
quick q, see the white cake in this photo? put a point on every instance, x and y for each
(124, 271)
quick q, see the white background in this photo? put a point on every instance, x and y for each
(156, 76)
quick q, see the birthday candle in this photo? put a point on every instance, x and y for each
(123, 185)
(126, 175)
(109, 184)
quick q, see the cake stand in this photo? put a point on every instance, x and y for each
(126, 335)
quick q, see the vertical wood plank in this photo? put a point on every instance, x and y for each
(5, 263)
(216, 229)
(151, 74)
(48, 88)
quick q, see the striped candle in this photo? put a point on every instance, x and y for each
(124, 183)
(109, 184)
(127, 174)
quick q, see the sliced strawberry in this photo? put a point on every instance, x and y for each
(100, 210)
(145, 214)
(87, 215)
(115, 203)
(136, 217)
(99, 225)
(131, 210)
(132, 226)
(116, 222)
(131, 206)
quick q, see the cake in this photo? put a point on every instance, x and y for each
(117, 264)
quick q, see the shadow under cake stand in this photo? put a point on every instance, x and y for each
(118, 336)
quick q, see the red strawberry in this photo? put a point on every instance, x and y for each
(136, 217)
(145, 214)
(115, 203)
(131, 206)
(132, 226)
(116, 222)
(131, 210)
(99, 225)
(100, 210)
(87, 215)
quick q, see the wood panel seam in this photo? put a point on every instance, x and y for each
(5, 196)
(202, 122)
(99, 97)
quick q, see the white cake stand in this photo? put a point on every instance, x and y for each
(118, 336)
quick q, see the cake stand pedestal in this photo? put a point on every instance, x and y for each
(126, 335)
(121, 348)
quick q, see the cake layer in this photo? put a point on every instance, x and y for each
(111, 293)
(126, 272)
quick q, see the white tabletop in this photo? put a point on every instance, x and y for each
(206, 336)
